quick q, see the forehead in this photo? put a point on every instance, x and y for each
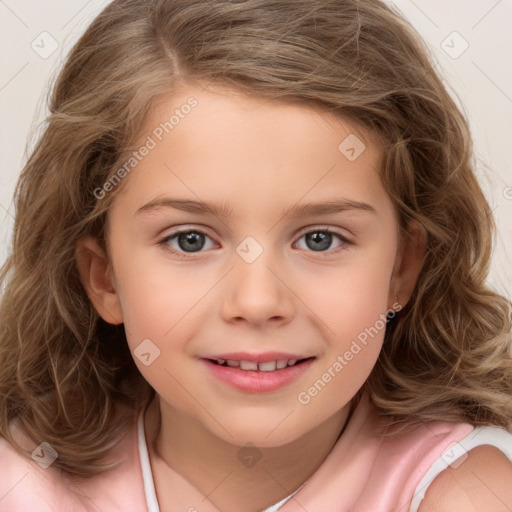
(224, 146)
(217, 109)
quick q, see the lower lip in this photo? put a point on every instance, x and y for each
(252, 381)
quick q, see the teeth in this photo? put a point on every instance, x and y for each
(268, 366)
(248, 365)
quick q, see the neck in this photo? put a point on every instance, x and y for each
(229, 475)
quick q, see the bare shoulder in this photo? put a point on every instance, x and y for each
(18, 481)
(482, 482)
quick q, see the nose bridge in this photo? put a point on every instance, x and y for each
(252, 262)
(255, 292)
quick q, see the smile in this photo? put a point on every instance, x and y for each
(252, 376)
(268, 366)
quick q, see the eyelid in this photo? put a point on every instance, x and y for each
(304, 231)
(346, 242)
(324, 228)
(197, 228)
(164, 241)
(187, 228)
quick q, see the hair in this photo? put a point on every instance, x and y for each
(66, 375)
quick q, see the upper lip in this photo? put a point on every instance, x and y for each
(256, 358)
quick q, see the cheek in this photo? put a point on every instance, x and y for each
(162, 307)
(354, 328)
(364, 302)
(158, 305)
(352, 297)
(352, 304)
(155, 296)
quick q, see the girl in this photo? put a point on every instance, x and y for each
(329, 342)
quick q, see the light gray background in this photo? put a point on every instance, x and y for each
(481, 76)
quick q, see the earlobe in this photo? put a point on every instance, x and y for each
(93, 267)
(413, 246)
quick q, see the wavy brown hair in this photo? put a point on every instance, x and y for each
(66, 376)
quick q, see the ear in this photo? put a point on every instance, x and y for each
(408, 263)
(96, 276)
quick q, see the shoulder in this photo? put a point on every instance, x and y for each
(483, 481)
(31, 481)
(23, 484)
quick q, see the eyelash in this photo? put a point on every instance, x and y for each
(164, 242)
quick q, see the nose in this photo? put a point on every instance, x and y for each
(257, 293)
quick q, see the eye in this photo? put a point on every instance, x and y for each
(189, 241)
(185, 241)
(319, 240)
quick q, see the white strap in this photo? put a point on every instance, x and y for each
(494, 436)
(147, 476)
(277, 506)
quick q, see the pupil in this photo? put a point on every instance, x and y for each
(190, 242)
(323, 239)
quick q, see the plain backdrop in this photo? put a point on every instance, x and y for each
(471, 42)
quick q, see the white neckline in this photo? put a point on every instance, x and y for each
(147, 475)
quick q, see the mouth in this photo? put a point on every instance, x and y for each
(257, 374)
(267, 366)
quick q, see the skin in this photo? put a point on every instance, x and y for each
(482, 482)
(257, 157)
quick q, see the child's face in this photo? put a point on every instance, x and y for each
(254, 283)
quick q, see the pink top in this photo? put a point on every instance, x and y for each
(362, 472)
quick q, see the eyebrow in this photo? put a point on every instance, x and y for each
(223, 210)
